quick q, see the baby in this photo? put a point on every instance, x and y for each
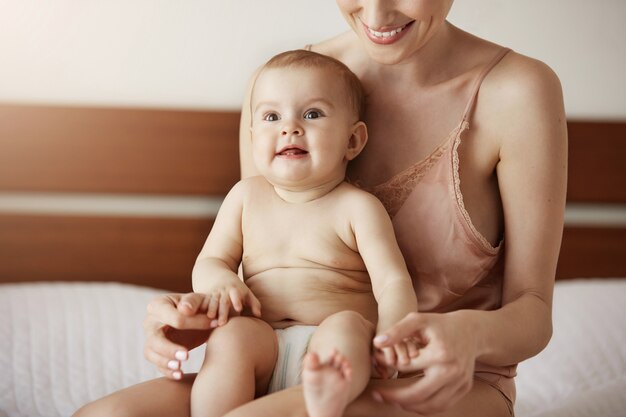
(318, 254)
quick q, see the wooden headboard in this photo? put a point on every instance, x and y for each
(191, 157)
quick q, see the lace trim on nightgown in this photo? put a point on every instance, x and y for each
(394, 192)
(485, 244)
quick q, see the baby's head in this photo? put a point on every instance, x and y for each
(306, 124)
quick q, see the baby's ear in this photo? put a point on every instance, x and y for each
(357, 141)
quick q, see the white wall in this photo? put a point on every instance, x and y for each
(199, 53)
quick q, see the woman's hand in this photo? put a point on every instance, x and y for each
(175, 324)
(447, 359)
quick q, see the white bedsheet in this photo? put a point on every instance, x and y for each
(582, 372)
(64, 344)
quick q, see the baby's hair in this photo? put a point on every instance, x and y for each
(301, 58)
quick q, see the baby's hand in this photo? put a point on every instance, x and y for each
(236, 295)
(399, 356)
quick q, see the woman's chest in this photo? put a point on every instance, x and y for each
(403, 129)
(400, 146)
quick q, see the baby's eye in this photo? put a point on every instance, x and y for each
(270, 117)
(313, 114)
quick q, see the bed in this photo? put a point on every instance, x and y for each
(102, 209)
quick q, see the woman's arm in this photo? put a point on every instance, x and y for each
(529, 122)
(245, 134)
(532, 177)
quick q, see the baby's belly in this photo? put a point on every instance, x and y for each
(291, 296)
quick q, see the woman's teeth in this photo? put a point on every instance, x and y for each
(386, 34)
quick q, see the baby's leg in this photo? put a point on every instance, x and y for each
(238, 365)
(337, 366)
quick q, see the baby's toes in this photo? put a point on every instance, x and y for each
(339, 360)
(311, 361)
(346, 370)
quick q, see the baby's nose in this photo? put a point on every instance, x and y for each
(291, 130)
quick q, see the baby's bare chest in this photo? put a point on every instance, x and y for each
(275, 236)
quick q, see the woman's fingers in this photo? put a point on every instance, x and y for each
(431, 356)
(405, 328)
(163, 317)
(162, 362)
(413, 349)
(402, 353)
(435, 392)
(163, 311)
(167, 356)
(390, 356)
(161, 345)
(189, 303)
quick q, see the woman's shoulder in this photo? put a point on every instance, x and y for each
(515, 72)
(520, 93)
(517, 92)
(520, 85)
(342, 47)
(522, 75)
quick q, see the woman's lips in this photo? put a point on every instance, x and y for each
(388, 35)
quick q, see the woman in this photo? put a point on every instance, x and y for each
(467, 150)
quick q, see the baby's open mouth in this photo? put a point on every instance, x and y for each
(292, 151)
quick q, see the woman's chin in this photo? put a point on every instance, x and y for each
(387, 55)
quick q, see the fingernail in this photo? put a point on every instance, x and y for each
(377, 397)
(214, 323)
(381, 338)
(177, 375)
(187, 304)
(173, 365)
(181, 355)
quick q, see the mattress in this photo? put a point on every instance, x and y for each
(582, 371)
(64, 344)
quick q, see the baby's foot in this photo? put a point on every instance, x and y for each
(326, 385)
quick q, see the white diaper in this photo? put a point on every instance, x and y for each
(292, 345)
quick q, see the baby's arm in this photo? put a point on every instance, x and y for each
(215, 270)
(391, 282)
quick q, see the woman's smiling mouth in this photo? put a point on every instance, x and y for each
(386, 36)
